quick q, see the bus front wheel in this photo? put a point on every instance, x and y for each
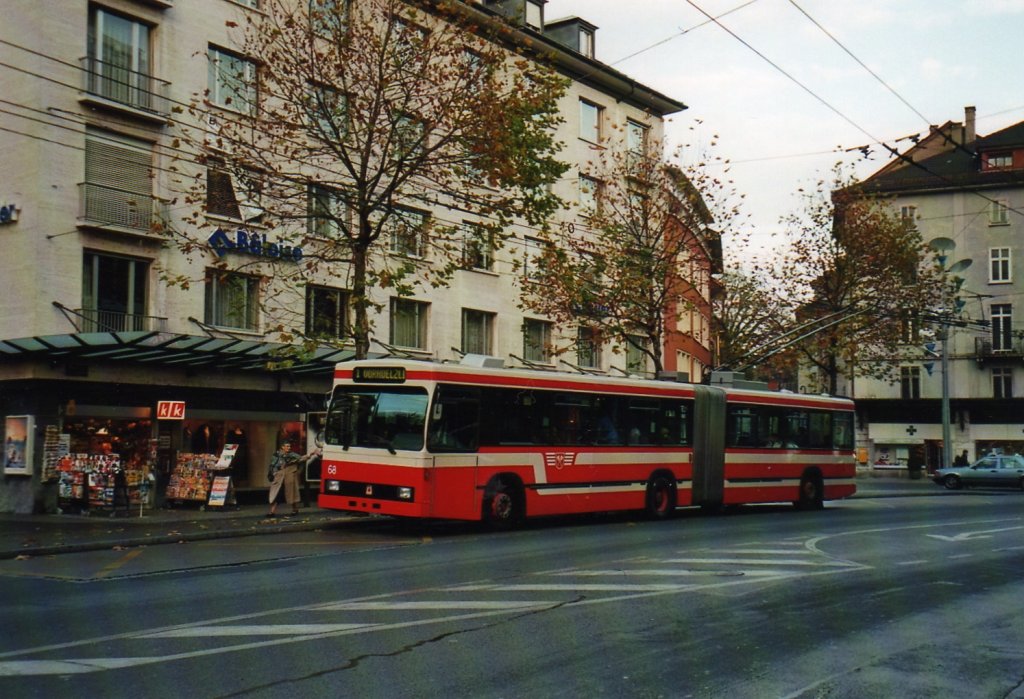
(503, 506)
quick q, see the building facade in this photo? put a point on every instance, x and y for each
(965, 194)
(105, 353)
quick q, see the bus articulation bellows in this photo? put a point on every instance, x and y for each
(417, 439)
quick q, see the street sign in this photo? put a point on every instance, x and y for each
(170, 410)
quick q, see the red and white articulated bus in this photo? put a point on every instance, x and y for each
(417, 439)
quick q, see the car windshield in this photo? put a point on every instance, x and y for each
(387, 418)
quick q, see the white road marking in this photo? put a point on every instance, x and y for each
(254, 630)
(540, 587)
(760, 562)
(279, 634)
(668, 572)
(450, 604)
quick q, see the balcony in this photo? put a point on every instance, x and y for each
(112, 86)
(984, 352)
(92, 320)
(115, 209)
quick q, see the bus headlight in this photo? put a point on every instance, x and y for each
(404, 493)
(333, 486)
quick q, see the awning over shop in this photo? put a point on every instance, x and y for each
(169, 349)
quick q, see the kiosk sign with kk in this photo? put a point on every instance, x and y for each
(170, 410)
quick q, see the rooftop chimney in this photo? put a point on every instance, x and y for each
(969, 134)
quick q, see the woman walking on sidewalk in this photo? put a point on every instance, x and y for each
(284, 479)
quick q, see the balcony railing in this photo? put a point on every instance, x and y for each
(985, 349)
(109, 207)
(116, 83)
(91, 320)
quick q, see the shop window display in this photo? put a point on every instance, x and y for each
(107, 464)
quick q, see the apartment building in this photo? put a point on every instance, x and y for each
(103, 349)
(965, 194)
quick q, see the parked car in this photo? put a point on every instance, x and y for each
(993, 471)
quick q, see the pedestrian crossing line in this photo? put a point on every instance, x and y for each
(434, 605)
(666, 572)
(760, 562)
(254, 630)
(771, 552)
(542, 587)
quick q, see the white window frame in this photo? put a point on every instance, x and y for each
(478, 246)
(1002, 327)
(420, 312)
(637, 360)
(908, 216)
(533, 15)
(588, 198)
(586, 40)
(1000, 267)
(225, 89)
(127, 82)
(636, 137)
(478, 331)
(1002, 382)
(401, 232)
(532, 248)
(999, 213)
(537, 340)
(588, 347)
(998, 161)
(910, 382)
(328, 111)
(225, 316)
(591, 115)
(326, 207)
(327, 20)
(339, 321)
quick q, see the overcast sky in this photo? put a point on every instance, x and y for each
(937, 56)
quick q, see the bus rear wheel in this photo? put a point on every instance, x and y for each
(503, 506)
(812, 493)
(661, 498)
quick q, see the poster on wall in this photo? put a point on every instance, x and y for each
(18, 445)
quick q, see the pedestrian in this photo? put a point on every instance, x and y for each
(962, 460)
(283, 475)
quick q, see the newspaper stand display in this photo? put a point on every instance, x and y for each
(222, 491)
(203, 479)
(87, 483)
(190, 479)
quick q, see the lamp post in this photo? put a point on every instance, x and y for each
(943, 247)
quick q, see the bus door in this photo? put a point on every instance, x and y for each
(453, 437)
(709, 446)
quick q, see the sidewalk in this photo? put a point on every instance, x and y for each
(45, 535)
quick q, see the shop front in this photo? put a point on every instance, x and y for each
(96, 437)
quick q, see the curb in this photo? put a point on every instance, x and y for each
(161, 539)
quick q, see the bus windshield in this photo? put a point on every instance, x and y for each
(386, 417)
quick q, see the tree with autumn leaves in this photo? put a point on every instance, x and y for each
(350, 128)
(862, 279)
(641, 256)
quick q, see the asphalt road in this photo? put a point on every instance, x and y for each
(902, 597)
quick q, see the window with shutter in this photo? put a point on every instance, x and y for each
(118, 188)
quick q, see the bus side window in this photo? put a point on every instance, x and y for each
(454, 420)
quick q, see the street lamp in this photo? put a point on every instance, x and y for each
(943, 247)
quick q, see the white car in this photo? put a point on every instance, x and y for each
(993, 471)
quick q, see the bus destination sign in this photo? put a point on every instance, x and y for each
(374, 374)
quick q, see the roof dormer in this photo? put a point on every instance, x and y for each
(574, 33)
(529, 13)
